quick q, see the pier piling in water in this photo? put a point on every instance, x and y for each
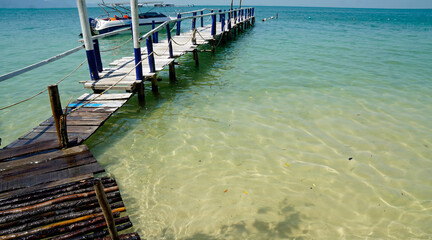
(59, 117)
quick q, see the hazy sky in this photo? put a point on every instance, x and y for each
(308, 3)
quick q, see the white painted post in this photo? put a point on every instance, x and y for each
(136, 37)
(87, 37)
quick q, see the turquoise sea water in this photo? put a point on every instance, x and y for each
(312, 126)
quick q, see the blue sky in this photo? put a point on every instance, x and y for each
(306, 3)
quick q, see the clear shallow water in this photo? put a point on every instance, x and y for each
(313, 89)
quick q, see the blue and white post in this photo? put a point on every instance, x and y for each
(156, 34)
(137, 51)
(87, 37)
(194, 21)
(178, 25)
(136, 37)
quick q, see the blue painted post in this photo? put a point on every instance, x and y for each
(85, 28)
(223, 21)
(220, 15)
(194, 21)
(169, 41)
(229, 20)
(97, 55)
(156, 34)
(235, 16)
(202, 19)
(178, 25)
(213, 30)
(151, 59)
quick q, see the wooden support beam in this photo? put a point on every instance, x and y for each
(141, 95)
(213, 43)
(154, 83)
(172, 74)
(106, 209)
(195, 57)
(59, 118)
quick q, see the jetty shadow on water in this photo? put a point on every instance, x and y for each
(289, 226)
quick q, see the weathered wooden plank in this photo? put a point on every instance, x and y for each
(85, 111)
(97, 103)
(51, 166)
(35, 137)
(29, 181)
(112, 96)
(47, 185)
(86, 122)
(31, 148)
(70, 129)
(43, 157)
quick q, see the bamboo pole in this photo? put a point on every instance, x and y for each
(56, 216)
(50, 208)
(106, 209)
(60, 189)
(51, 202)
(55, 225)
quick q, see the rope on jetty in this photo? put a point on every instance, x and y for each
(39, 64)
(39, 93)
(109, 88)
(180, 44)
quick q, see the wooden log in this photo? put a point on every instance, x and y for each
(58, 200)
(57, 111)
(106, 209)
(90, 228)
(65, 205)
(195, 56)
(141, 94)
(172, 74)
(67, 231)
(129, 236)
(101, 234)
(33, 201)
(55, 225)
(154, 84)
(56, 216)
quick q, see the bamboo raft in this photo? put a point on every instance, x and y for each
(48, 187)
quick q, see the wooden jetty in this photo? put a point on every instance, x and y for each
(48, 187)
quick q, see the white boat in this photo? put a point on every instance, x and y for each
(118, 16)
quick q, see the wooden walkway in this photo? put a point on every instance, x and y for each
(48, 192)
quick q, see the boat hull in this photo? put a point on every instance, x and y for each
(105, 26)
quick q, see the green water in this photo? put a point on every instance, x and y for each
(312, 126)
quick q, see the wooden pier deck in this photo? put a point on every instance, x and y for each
(47, 191)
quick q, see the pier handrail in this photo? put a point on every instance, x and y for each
(195, 11)
(115, 32)
(158, 28)
(39, 64)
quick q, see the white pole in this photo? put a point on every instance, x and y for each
(135, 23)
(88, 42)
(136, 37)
(85, 25)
